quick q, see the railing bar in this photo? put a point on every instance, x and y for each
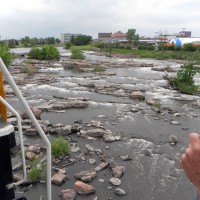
(34, 121)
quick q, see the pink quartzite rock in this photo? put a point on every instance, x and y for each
(83, 188)
(58, 178)
(85, 176)
(68, 194)
(37, 112)
(101, 166)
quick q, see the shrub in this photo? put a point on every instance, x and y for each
(184, 80)
(189, 47)
(77, 54)
(60, 147)
(30, 70)
(99, 45)
(47, 52)
(5, 54)
(151, 48)
(187, 89)
(68, 45)
(157, 104)
(99, 69)
(177, 48)
(146, 47)
(141, 47)
(36, 172)
(35, 53)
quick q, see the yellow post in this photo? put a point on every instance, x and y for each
(3, 111)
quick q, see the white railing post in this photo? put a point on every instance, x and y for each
(10, 80)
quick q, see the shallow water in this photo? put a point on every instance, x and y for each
(156, 177)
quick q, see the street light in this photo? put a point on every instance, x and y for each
(182, 35)
(156, 37)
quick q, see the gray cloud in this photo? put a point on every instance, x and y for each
(43, 18)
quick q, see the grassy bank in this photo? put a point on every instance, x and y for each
(85, 48)
(160, 55)
(156, 54)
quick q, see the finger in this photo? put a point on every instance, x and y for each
(187, 169)
(194, 138)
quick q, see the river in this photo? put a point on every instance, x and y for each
(154, 177)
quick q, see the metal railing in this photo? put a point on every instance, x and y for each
(20, 139)
(27, 109)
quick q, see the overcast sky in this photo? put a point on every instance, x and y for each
(47, 18)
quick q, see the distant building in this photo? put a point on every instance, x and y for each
(184, 34)
(183, 40)
(118, 36)
(104, 37)
(65, 37)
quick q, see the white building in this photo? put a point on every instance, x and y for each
(65, 37)
(181, 41)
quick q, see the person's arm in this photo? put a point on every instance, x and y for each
(190, 160)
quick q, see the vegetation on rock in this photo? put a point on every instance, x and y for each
(60, 146)
(36, 172)
(184, 80)
(47, 52)
(77, 54)
(5, 54)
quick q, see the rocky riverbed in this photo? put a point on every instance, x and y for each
(127, 128)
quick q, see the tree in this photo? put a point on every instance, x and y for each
(34, 41)
(72, 40)
(81, 40)
(25, 41)
(12, 43)
(5, 54)
(132, 37)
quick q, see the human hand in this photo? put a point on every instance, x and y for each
(190, 160)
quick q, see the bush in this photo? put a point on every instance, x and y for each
(35, 53)
(184, 80)
(30, 70)
(141, 47)
(189, 47)
(177, 48)
(60, 147)
(36, 172)
(77, 54)
(146, 47)
(5, 54)
(187, 89)
(151, 48)
(68, 45)
(99, 69)
(47, 52)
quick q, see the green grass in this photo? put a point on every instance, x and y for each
(85, 48)
(30, 70)
(99, 68)
(60, 147)
(157, 104)
(36, 172)
(156, 54)
(77, 54)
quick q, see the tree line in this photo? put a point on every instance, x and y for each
(30, 42)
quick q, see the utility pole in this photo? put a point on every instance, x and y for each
(182, 35)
